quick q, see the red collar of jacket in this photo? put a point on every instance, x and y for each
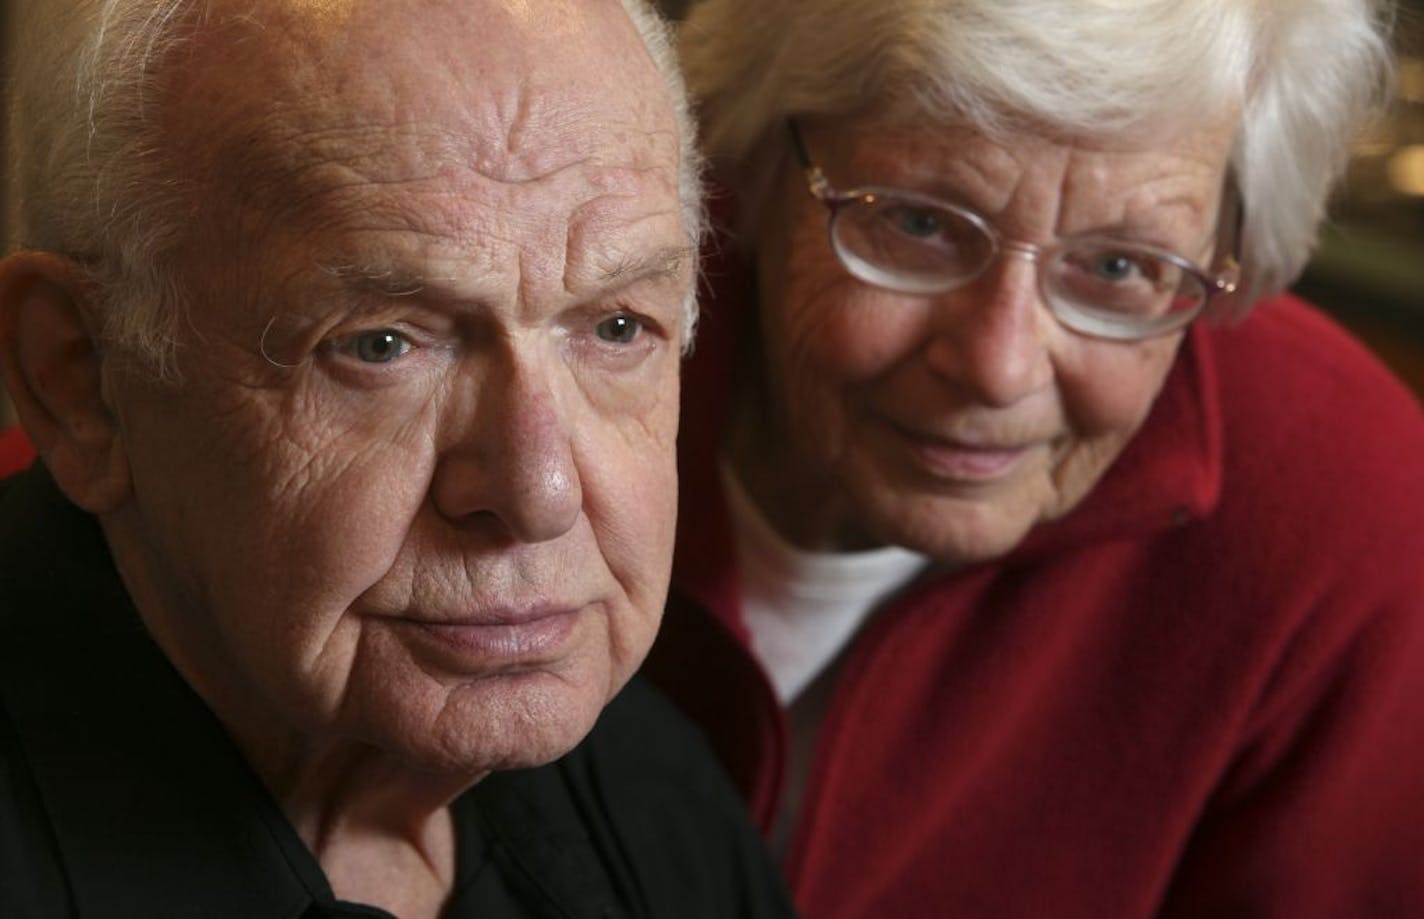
(15, 451)
(1169, 474)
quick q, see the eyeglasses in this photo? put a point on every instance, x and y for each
(1095, 285)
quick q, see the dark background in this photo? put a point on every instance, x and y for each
(1369, 271)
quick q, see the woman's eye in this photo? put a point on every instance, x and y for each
(916, 222)
(1114, 266)
(377, 347)
(620, 329)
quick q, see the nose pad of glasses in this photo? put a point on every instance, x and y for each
(1026, 251)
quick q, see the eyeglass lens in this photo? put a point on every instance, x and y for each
(917, 245)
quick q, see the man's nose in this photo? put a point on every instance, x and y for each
(511, 470)
(990, 337)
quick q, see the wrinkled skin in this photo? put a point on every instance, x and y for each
(954, 424)
(410, 511)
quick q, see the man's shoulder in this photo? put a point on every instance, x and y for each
(651, 765)
(53, 560)
(642, 729)
(32, 879)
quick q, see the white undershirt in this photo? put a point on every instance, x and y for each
(802, 609)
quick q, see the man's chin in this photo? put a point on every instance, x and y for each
(515, 721)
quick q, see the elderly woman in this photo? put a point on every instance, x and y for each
(1030, 563)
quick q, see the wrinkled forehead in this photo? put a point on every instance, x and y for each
(511, 88)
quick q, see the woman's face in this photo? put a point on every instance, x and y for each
(954, 423)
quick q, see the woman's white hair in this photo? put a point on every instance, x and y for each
(91, 176)
(1301, 75)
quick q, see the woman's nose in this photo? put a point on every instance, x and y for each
(991, 336)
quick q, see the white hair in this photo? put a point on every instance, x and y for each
(91, 175)
(1301, 75)
(86, 160)
(658, 38)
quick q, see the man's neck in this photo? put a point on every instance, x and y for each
(382, 833)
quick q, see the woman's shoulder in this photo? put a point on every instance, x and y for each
(1299, 393)
(1289, 360)
(1322, 444)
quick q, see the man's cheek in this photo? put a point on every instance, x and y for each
(648, 428)
(327, 435)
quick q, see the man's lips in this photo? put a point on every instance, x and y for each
(504, 634)
(491, 615)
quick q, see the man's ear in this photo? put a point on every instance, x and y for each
(50, 360)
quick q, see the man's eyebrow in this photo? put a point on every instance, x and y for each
(385, 281)
(667, 261)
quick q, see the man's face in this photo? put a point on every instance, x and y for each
(417, 487)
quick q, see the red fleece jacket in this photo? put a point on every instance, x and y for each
(15, 451)
(1199, 694)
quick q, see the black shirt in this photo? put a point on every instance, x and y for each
(122, 796)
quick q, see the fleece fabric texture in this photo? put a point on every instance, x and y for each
(15, 451)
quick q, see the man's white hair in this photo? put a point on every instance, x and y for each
(91, 175)
(1303, 75)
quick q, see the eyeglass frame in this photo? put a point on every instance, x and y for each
(1225, 282)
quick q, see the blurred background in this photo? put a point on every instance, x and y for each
(1369, 271)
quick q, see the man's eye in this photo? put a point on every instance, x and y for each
(620, 329)
(377, 347)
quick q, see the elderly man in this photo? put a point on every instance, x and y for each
(348, 332)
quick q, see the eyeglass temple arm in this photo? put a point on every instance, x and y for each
(815, 179)
(1229, 278)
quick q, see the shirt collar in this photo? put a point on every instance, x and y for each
(153, 809)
